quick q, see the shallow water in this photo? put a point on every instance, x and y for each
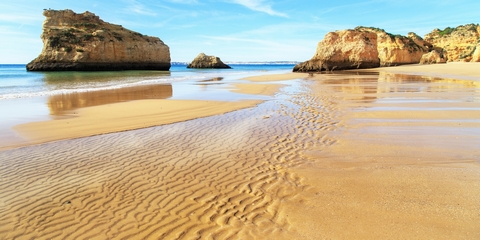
(16, 82)
(39, 96)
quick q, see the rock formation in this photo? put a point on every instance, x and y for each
(350, 49)
(347, 49)
(84, 42)
(476, 54)
(458, 44)
(432, 57)
(205, 61)
(372, 47)
(394, 50)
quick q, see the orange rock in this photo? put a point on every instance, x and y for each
(74, 41)
(396, 50)
(476, 54)
(432, 58)
(459, 44)
(347, 49)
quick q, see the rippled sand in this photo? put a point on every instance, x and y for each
(378, 156)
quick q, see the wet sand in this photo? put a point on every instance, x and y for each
(404, 163)
(457, 70)
(99, 112)
(376, 156)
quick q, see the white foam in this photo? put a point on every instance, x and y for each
(128, 81)
(98, 87)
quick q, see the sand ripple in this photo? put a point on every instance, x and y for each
(218, 177)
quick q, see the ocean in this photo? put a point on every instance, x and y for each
(16, 82)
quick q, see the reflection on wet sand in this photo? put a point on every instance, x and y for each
(368, 87)
(212, 81)
(215, 79)
(59, 104)
(59, 79)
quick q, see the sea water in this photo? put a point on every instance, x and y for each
(16, 82)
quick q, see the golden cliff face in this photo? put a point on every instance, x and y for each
(365, 47)
(432, 57)
(459, 44)
(84, 42)
(476, 54)
(396, 50)
(347, 49)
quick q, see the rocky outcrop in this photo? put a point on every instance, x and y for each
(458, 44)
(476, 54)
(347, 49)
(426, 46)
(84, 42)
(394, 50)
(205, 61)
(432, 57)
(365, 47)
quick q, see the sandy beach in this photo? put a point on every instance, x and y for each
(388, 153)
(456, 70)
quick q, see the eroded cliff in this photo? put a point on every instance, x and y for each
(396, 50)
(364, 47)
(457, 44)
(80, 42)
(349, 49)
(346, 49)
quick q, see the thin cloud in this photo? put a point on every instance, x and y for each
(260, 6)
(136, 7)
(184, 1)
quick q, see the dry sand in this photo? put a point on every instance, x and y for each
(380, 156)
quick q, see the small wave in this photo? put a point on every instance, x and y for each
(34, 86)
(96, 87)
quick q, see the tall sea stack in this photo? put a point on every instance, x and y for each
(83, 42)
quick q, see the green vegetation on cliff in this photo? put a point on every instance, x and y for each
(462, 28)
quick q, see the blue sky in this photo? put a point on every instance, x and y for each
(234, 30)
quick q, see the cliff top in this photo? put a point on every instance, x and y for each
(88, 22)
(462, 30)
(382, 31)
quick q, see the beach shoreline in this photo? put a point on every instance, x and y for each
(35, 133)
(386, 153)
(90, 113)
